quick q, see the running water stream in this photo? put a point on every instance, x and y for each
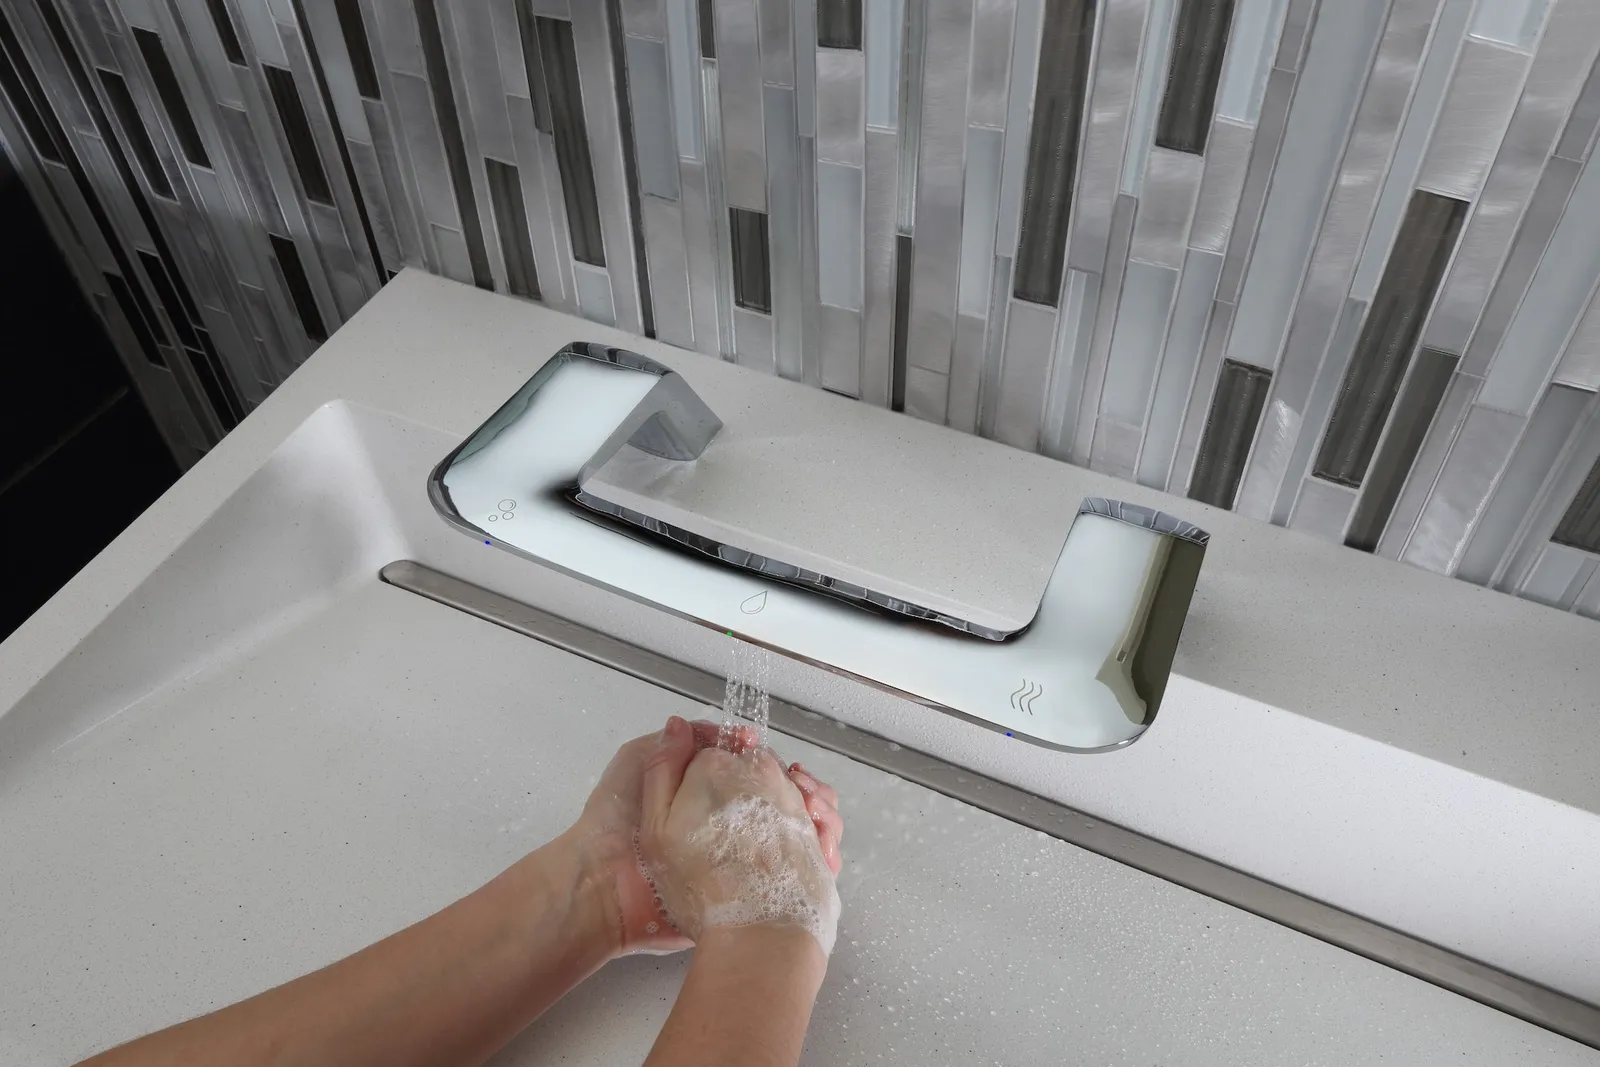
(745, 701)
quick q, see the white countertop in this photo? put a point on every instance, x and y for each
(1411, 748)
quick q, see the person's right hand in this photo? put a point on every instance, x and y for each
(737, 840)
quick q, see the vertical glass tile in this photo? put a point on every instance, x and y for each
(225, 398)
(533, 61)
(885, 20)
(511, 222)
(455, 148)
(167, 287)
(166, 83)
(979, 202)
(1249, 60)
(1554, 304)
(140, 316)
(752, 263)
(650, 95)
(1058, 105)
(708, 31)
(1513, 22)
(1199, 44)
(1182, 352)
(1230, 429)
(299, 287)
(560, 59)
(838, 235)
(358, 47)
(364, 282)
(144, 150)
(914, 46)
(684, 66)
(1147, 95)
(211, 385)
(594, 295)
(1534, 459)
(226, 31)
(839, 24)
(1427, 240)
(1426, 100)
(21, 86)
(1147, 294)
(1414, 413)
(902, 321)
(1580, 525)
(297, 129)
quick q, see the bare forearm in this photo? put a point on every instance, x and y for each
(451, 989)
(747, 1000)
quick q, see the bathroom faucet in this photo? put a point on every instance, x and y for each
(1085, 674)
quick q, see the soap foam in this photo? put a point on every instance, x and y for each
(746, 840)
(767, 869)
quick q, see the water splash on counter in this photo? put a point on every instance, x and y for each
(745, 700)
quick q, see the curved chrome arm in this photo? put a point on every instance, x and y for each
(1087, 674)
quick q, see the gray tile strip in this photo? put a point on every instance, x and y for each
(739, 81)
(1427, 239)
(650, 94)
(1580, 525)
(1230, 430)
(878, 292)
(1063, 67)
(511, 219)
(1431, 374)
(1188, 102)
(936, 253)
(1219, 325)
(783, 192)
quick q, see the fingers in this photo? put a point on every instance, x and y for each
(741, 739)
(821, 806)
(815, 784)
(663, 773)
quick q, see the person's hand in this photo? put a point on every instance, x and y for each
(733, 840)
(606, 832)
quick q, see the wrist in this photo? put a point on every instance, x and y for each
(574, 872)
(783, 950)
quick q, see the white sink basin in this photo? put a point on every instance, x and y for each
(264, 759)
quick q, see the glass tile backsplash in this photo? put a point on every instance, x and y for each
(1328, 263)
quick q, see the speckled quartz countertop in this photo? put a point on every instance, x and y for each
(325, 758)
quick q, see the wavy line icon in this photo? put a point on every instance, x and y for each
(1025, 695)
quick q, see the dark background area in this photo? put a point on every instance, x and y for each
(80, 457)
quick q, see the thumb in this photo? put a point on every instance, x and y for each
(663, 774)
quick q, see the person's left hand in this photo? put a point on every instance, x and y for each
(607, 829)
